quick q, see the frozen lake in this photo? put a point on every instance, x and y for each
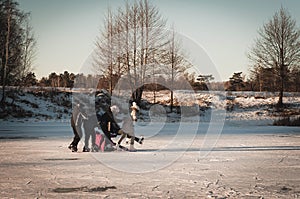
(246, 162)
(62, 129)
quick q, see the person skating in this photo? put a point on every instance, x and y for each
(89, 126)
(134, 110)
(76, 124)
(128, 128)
(105, 117)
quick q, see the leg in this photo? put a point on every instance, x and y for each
(131, 147)
(132, 138)
(138, 140)
(78, 136)
(93, 135)
(89, 131)
(73, 145)
(86, 141)
(123, 135)
(104, 128)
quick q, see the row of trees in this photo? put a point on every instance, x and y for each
(263, 80)
(17, 44)
(136, 51)
(136, 44)
(237, 82)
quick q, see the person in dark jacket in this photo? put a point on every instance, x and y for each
(106, 119)
(104, 114)
(108, 125)
(76, 124)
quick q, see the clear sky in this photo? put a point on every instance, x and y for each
(66, 30)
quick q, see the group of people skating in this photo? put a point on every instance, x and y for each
(103, 117)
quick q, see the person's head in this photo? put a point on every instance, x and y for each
(103, 100)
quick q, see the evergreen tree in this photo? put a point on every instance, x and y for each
(236, 82)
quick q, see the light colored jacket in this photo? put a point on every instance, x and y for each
(127, 126)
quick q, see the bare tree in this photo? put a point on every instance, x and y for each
(278, 47)
(175, 61)
(126, 43)
(7, 8)
(105, 48)
(16, 45)
(28, 52)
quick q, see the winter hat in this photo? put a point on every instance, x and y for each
(115, 109)
(103, 99)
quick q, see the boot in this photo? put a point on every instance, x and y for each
(118, 147)
(131, 148)
(95, 148)
(74, 148)
(86, 149)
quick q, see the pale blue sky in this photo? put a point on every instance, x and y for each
(66, 29)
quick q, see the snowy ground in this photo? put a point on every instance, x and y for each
(241, 165)
(239, 106)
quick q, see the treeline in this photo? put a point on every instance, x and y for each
(71, 80)
(260, 81)
(264, 79)
(136, 50)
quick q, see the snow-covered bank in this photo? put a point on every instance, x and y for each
(38, 104)
(251, 108)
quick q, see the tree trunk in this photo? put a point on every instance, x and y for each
(6, 56)
(280, 100)
(172, 97)
(3, 86)
(137, 95)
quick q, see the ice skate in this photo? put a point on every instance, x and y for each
(131, 148)
(86, 149)
(73, 148)
(141, 140)
(95, 148)
(121, 148)
(118, 148)
(127, 140)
